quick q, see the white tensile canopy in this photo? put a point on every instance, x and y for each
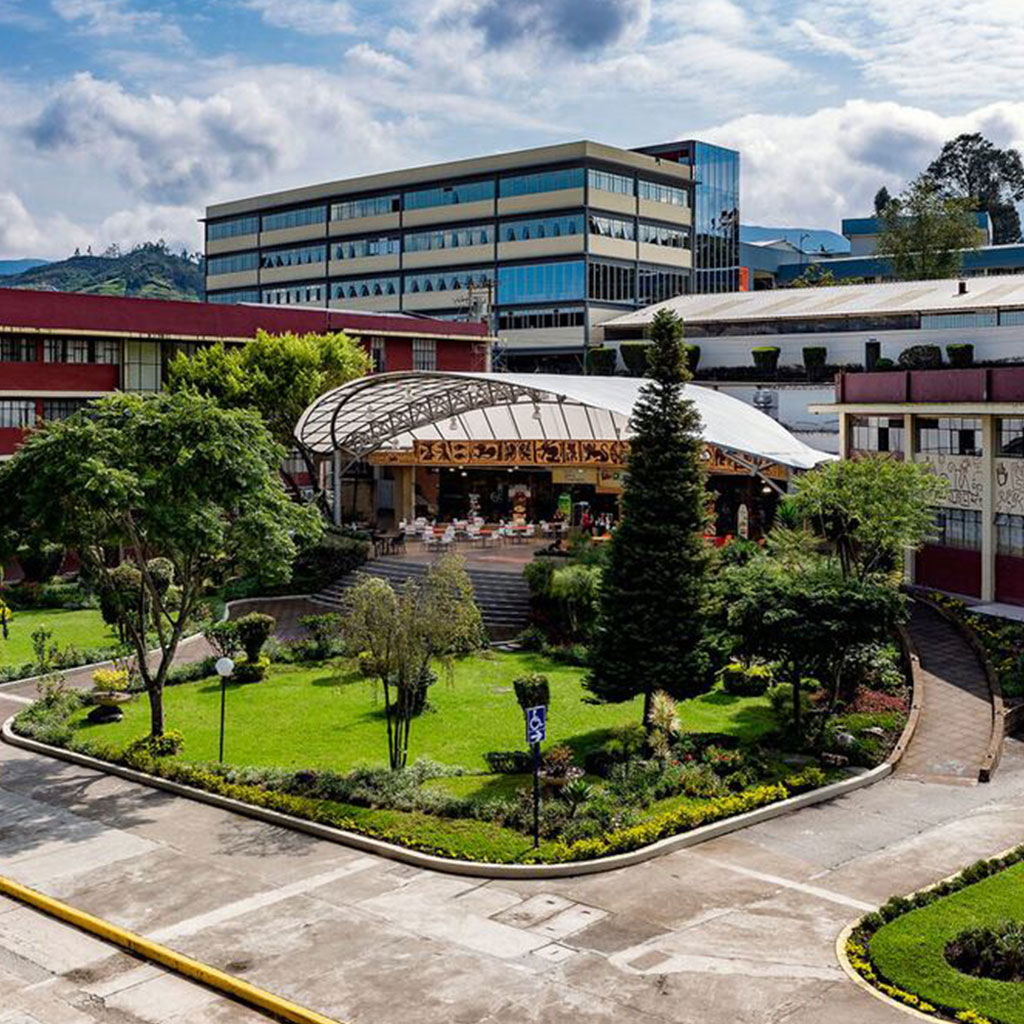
(393, 410)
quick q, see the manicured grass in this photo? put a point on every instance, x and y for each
(910, 951)
(328, 717)
(81, 629)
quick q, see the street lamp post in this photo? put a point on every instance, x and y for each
(225, 666)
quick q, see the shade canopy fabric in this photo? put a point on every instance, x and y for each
(393, 410)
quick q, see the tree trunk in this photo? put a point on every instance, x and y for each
(155, 692)
(797, 716)
(648, 701)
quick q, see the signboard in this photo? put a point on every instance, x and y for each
(536, 724)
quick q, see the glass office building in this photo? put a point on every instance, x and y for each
(546, 243)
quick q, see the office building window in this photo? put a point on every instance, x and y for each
(541, 282)
(962, 321)
(876, 434)
(374, 206)
(232, 228)
(62, 408)
(365, 288)
(659, 234)
(608, 182)
(378, 355)
(448, 195)
(949, 435)
(1011, 317)
(82, 350)
(142, 368)
(234, 264)
(17, 350)
(448, 281)
(1010, 535)
(294, 295)
(541, 227)
(659, 285)
(243, 295)
(530, 319)
(612, 227)
(424, 354)
(293, 257)
(450, 238)
(612, 282)
(1011, 437)
(17, 413)
(294, 218)
(542, 181)
(958, 528)
(360, 248)
(655, 192)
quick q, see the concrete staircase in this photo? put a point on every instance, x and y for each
(503, 597)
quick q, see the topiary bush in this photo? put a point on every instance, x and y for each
(634, 355)
(766, 358)
(746, 680)
(815, 357)
(601, 361)
(253, 631)
(532, 691)
(921, 357)
(884, 363)
(960, 355)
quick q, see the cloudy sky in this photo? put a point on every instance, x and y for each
(121, 119)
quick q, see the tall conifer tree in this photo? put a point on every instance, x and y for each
(652, 594)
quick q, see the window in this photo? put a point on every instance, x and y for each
(294, 218)
(62, 408)
(16, 413)
(612, 282)
(542, 181)
(424, 354)
(1011, 438)
(374, 206)
(1011, 317)
(659, 234)
(66, 350)
(541, 282)
(447, 195)
(987, 318)
(359, 248)
(106, 351)
(876, 434)
(379, 354)
(232, 228)
(294, 295)
(234, 264)
(541, 227)
(1010, 535)
(365, 288)
(958, 528)
(244, 295)
(142, 366)
(659, 285)
(17, 350)
(612, 227)
(608, 182)
(293, 257)
(538, 319)
(655, 192)
(450, 238)
(449, 281)
(949, 435)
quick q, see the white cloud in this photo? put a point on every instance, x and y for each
(23, 234)
(313, 17)
(826, 43)
(117, 18)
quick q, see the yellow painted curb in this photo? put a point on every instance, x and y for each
(169, 958)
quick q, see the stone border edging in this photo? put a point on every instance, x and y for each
(913, 660)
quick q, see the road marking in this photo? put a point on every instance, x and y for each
(16, 697)
(229, 911)
(788, 883)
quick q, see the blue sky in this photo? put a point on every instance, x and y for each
(121, 119)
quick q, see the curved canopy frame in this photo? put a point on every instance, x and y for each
(397, 409)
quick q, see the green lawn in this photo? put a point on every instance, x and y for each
(80, 629)
(910, 951)
(329, 717)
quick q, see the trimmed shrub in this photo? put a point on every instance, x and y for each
(509, 762)
(253, 631)
(746, 680)
(532, 690)
(247, 671)
(884, 363)
(960, 355)
(634, 355)
(766, 358)
(814, 361)
(921, 357)
(601, 361)
(170, 743)
(223, 638)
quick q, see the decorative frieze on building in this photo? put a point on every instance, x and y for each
(964, 473)
(1010, 486)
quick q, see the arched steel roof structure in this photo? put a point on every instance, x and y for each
(393, 410)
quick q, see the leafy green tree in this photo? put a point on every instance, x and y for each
(652, 592)
(924, 232)
(992, 179)
(171, 476)
(869, 510)
(279, 375)
(578, 588)
(882, 200)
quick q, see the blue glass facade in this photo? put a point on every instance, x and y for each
(542, 282)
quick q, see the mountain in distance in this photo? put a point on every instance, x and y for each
(149, 271)
(11, 267)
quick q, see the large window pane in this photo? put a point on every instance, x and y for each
(449, 238)
(542, 181)
(234, 264)
(294, 218)
(374, 206)
(541, 282)
(608, 182)
(541, 227)
(293, 257)
(469, 192)
(232, 228)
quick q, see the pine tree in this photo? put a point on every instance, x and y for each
(652, 595)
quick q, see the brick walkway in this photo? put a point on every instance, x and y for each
(956, 718)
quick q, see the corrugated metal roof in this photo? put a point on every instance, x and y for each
(842, 300)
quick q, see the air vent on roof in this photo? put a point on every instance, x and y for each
(961, 288)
